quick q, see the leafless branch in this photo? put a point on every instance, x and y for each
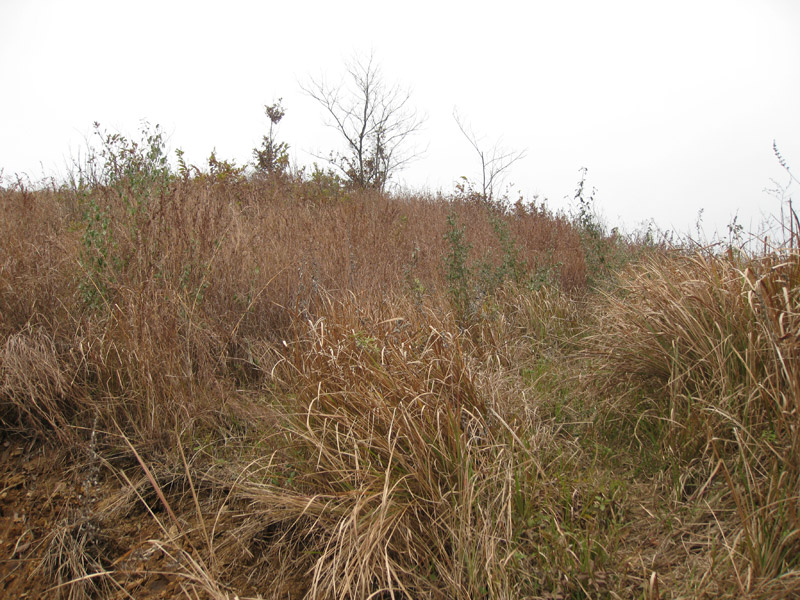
(375, 120)
(494, 161)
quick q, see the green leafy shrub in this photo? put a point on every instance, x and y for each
(272, 158)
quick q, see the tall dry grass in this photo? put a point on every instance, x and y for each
(701, 352)
(398, 467)
(280, 373)
(159, 299)
(312, 329)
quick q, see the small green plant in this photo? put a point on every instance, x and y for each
(322, 183)
(413, 283)
(224, 171)
(458, 271)
(470, 285)
(134, 171)
(513, 267)
(601, 251)
(544, 274)
(273, 156)
(184, 168)
(96, 254)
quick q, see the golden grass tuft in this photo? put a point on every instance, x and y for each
(706, 349)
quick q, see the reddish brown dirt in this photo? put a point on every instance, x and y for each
(41, 494)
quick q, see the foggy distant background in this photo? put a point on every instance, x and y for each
(671, 106)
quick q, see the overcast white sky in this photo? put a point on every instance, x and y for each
(671, 105)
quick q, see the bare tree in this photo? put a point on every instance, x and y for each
(374, 118)
(494, 161)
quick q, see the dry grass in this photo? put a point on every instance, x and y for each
(276, 377)
(151, 307)
(706, 347)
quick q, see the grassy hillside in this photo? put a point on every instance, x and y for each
(216, 386)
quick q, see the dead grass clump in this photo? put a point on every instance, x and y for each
(76, 560)
(386, 485)
(706, 347)
(398, 475)
(35, 390)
